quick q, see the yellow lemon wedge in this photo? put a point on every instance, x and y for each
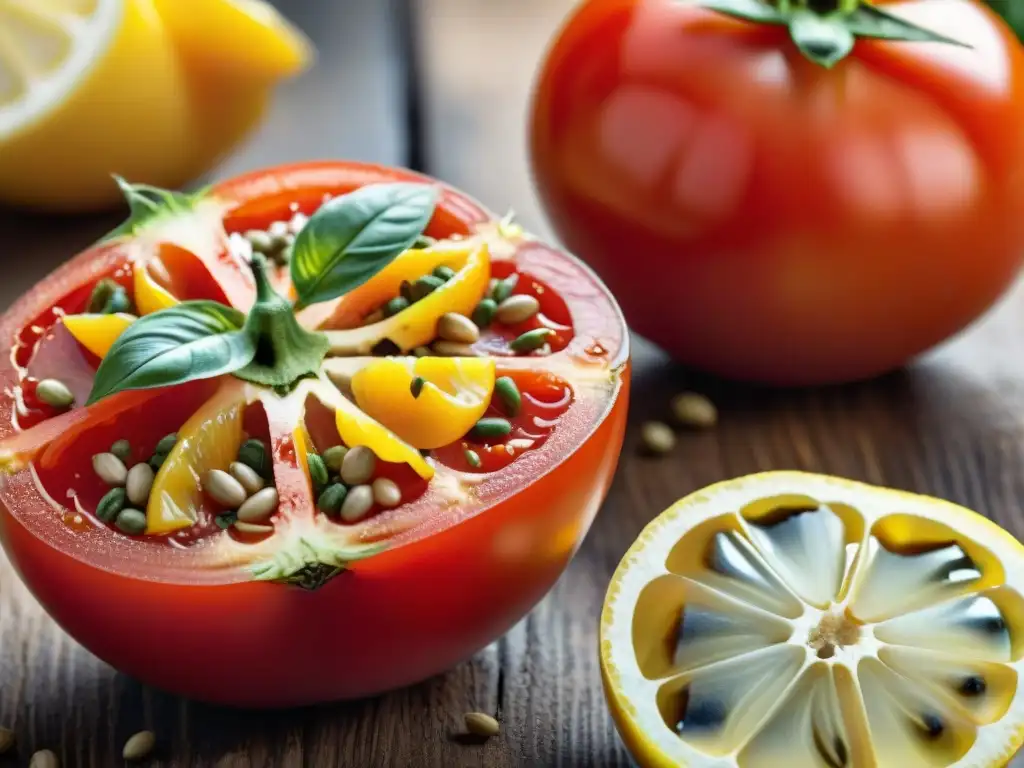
(154, 91)
(786, 620)
(417, 324)
(208, 440)
(150, 296)
(453, 396)
(97, 332)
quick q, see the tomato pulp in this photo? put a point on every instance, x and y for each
(465, 555)
(765, 218)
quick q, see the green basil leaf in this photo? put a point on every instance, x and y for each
(193, 340)
(353, 237)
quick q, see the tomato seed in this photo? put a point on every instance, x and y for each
(256, 529)
(118, 302)
(260, 241)
(358, 465)
(508, 393)
(492, 427)
(166, 444)
(258, 507)
(472, 458)
(44, 758)
(517, 309)
(55, 393)
(531, 340)
(395, 305)
(139, 484)
(139, 746)
(317, 470)
(253, 453)
(480, 724)
(357, 504)
(224, 489)
(423, 241)
(100, 295)
(452, 349)
(657, 438)
(131, 521)
(122, 449)
(483, 315)
(6, 740)
(332, 498)
(416, 387)
(226, 520)
(110, 505)
(333, 457)
(110, 469)
(443, 272)
(458, 328)
(504, 288)
(423, 287)
(386, 492)
(694, 410)
(248, 477)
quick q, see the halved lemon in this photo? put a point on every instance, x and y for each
(789, 620)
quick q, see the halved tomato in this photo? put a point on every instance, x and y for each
(195, 598)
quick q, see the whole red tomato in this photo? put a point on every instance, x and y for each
(768, 218)
(463, 556)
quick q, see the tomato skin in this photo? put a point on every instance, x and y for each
(766, 219)
(394, 619)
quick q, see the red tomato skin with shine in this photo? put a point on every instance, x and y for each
(394, 619)
(766, 219)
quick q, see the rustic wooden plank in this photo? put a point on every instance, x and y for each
(948, 425)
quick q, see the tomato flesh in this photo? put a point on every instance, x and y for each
(461, 559)
(767, 219)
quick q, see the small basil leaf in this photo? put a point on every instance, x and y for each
(353, 237)
(193, 340)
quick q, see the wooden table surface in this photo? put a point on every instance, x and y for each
(949, 425)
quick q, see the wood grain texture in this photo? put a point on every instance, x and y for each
(948, 426)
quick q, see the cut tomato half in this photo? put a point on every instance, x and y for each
(405, 510)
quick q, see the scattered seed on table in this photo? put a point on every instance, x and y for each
(248, 477)
(358, 465)
(422, 352)
(531, 340)
(166, 444)
(253, 453)
(657, 438)
(480, 724)
(452, 326)
(483, 315)
(331, 498)
(55, 393)
(443, 272)
(298, 222)
(386, 492)
(256, 529)
(509, 395)
(694, 410)
(44, 758)
(224, 489)
(6, 740)
(517, 309)
(504, 288)
(139, 746)
(472, 458)
(333, 457)
(100, 295)
(357, 503)
(452, 349)
(395, 305)
(317, 470)
(110, 469)
(492, 426)
(258, 507)
(423, 287)
(417, 386)
(131, 521)
(260, 241)
(139, 484)
(122, 449)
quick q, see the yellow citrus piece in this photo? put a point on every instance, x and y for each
(97, 332)
(210, 439)
(150, 296)
(790, 619)
(456, 394)
(181, 102)
(356, 428)
(418, 324)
